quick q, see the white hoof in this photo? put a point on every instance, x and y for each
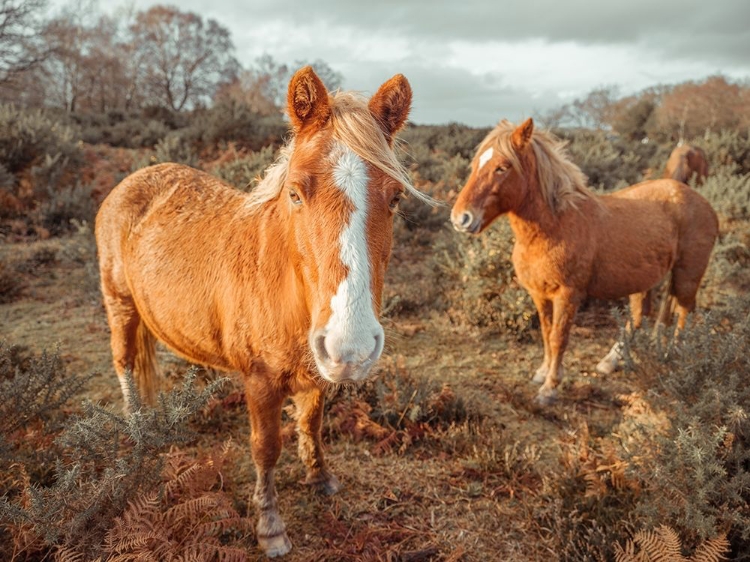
(611, 361)
(540, 375)
(278, 545)
(546, 397)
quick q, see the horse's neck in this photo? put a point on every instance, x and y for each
(533, 220)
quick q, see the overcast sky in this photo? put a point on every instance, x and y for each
(477, 61)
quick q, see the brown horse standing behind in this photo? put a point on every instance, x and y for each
(685, 162)
(282, 285)
(571, 243)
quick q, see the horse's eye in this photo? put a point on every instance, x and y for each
(501, 169)
(394, 202)
(294, 196)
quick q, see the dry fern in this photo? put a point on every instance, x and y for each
(664, 545)
(184, 520)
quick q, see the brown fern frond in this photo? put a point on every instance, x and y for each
(711, 550)
(64, 554)
(664, 545)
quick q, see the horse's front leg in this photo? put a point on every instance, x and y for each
(309, 429)
(264, 406)
(564, 307)
(544, 309)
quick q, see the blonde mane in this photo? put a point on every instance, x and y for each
(354, 126)
(562, 183)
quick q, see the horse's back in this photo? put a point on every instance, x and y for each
(683, 204)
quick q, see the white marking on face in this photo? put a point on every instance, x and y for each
(352, 328)
(485, 157)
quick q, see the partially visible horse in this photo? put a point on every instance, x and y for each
(685, 162)
(282, 285)
(572, 243)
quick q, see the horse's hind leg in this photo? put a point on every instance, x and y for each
(123, 320)
(640, 304)
(133, 345)
(309, 427)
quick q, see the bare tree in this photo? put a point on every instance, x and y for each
(183, 59)
(20, 26)
(272, 77)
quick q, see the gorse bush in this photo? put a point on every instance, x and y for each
(102, 460)
(728, 191)
(243, 172)
(484, 291)
(697, 478)
(27, 136)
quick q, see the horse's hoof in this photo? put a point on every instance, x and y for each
(539, 376)
(278, 545)
(327, 484)
(606, 367)
(546, 397)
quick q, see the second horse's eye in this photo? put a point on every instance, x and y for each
(395, 201)
(294, 196)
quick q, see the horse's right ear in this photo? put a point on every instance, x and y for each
(522, 135)
(307, 100)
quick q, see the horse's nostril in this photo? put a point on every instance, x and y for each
(466, 218)
(320, 347)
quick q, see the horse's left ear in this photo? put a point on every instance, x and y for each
(391, 104)
(522, 135)
(307, 100)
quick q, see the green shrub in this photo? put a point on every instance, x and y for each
(728, 191)
(64, 208)
(104, 460)
(609, 161)
(27, 136)
(485, 292)
(726, 148)
(696, 472)
(242, 172)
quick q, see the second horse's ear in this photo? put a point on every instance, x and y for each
(522, 135)
(391, 105)
(307, 100)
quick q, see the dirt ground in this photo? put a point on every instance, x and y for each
(436, 500)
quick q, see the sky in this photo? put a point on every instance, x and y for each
(476, 62)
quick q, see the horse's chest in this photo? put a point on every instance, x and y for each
(547, 268)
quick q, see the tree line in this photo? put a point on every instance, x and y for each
(81, 60)
(663, 112)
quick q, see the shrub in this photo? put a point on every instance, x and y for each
(243, 172)
(726, 148)
(609, 161)
(65, 207)
(27, 136)
(728, 191)
(696, 472)
(485, 292)
(11, 284)
(106, 460)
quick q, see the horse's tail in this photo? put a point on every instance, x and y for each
(667, 306)
(145, 373)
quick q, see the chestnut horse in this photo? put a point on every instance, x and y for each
(282, 285)
(685, 162)
(572, 243)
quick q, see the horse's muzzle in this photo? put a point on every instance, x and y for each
(340, 362)
(466, 221)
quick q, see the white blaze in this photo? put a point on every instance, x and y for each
(351, 329)
(485, 157)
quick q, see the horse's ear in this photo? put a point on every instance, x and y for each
(391, 104)
(307, 100)
(522, 135)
